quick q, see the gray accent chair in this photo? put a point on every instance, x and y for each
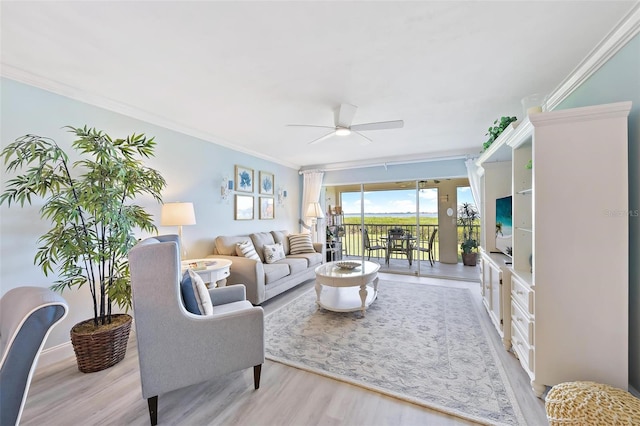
(27, 316)
(177, 348)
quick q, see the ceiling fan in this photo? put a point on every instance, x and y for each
(343, 127)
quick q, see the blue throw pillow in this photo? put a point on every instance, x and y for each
(188, 296)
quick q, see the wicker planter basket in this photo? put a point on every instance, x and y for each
(99, 350)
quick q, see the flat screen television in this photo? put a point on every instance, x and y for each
(504, 225)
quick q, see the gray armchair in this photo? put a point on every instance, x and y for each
(27, 316)
(177, 348)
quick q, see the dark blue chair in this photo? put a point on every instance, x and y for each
(27, 316)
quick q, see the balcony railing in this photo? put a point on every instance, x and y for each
(351, 238)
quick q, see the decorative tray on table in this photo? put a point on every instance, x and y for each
(347, 265)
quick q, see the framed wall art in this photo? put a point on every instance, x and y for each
(266, 183)
(243, 207)
(267, 210)
(244, 179)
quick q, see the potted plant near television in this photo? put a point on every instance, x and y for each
(468, 219)
(89, 205)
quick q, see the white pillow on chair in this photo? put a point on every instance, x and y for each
(201, 292)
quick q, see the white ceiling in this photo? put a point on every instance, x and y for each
(236, 73)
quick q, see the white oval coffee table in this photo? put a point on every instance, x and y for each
(347, 290)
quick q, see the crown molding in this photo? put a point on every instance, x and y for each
(626, 29)
(19, 75)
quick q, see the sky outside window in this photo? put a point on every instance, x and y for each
(398, 201)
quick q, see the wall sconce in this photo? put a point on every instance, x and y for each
(226, 188)
(282, 196)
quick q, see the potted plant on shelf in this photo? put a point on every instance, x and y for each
(494, 131)
(468, 219)
(88, 203)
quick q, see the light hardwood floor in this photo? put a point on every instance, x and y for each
(61, 395)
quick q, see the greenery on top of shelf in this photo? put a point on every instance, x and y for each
(495, 130)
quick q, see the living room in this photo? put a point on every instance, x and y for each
(195, 163)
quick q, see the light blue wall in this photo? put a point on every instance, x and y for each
(193, 169)
(619, 80)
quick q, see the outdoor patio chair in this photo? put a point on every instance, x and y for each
(372, 245)
(429, 248)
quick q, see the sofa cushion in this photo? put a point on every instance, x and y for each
(282, 238)
(226, 246)
(259, 240)
(195, 294)
(273, 252)
(312, 259)
(246, 249)
(300, 243)
(275, 271)
(296, 264)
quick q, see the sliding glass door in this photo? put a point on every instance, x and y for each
(391, 223)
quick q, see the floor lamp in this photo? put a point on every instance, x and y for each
(314, 211)
(178, 214)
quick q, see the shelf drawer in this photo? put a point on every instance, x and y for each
(523, 294)
(524, 352)
(522, 321)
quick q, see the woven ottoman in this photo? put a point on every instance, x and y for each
(589, 403)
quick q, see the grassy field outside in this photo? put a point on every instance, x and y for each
(390, 221)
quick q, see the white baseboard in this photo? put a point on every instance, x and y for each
(55, 354)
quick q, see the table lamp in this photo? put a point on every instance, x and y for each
(178, 214)
(314, 211)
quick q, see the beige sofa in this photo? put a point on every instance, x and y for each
(266, 280)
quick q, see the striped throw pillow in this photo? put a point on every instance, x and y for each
(247, 249)
(300, 243)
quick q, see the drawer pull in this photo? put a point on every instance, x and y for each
(519, 292)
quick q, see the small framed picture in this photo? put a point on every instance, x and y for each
(244, 207)
(244, 179)
(266, 183)
(266, 208)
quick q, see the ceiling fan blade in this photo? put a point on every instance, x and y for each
(346, 112)
(321, 138)
(365, 140)
(380, 125)
(309, 125)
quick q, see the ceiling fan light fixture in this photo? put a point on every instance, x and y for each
(343, 131)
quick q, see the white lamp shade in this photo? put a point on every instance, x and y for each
(177, 214)
(314, 210)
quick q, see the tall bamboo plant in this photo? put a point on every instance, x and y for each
(89, 203)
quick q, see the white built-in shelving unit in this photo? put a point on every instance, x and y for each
(568, 280)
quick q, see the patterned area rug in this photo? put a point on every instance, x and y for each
(421, 343)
